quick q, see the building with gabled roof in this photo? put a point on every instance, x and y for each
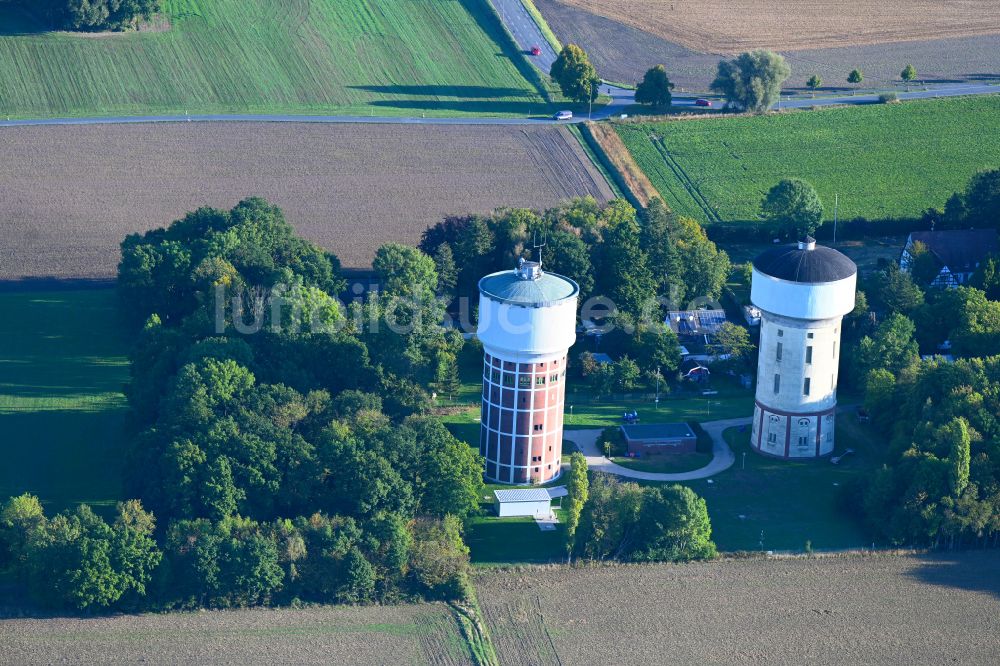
(958, 252)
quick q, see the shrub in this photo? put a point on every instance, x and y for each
(888, 98)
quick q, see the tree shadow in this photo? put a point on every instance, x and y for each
(15, 21)
(491, 107)
(973, 571)
(463, 92)
(982, 76)
(55, 284)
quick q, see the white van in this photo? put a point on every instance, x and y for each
(564, 115)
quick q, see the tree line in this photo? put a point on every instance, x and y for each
(611, 251)
(940, 485)
(89, 15)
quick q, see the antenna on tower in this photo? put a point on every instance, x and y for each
(538, 246)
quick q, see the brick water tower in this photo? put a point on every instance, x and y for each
(803, 292)
(527, 323)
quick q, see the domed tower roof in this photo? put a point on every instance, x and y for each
(528, 286)
(805, 262)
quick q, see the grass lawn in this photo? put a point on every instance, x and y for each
(790, 502)
(62, 366)
(495, 541)
(583, 412)
(666, 463)
(885, 161)
(357, 57)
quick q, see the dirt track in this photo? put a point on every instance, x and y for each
(731, 26)
(68, 195)
(882, 610)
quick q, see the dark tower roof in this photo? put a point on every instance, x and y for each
(805, 262)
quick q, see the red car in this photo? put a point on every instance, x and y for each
(536, 50)
(703, 102)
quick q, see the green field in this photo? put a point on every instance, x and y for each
(62, 366)
(789, 502)
(884, 161)
(357, 57)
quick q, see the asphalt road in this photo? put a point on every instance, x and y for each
(722, 456)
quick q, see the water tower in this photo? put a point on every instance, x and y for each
(803, 292)
(527, 323)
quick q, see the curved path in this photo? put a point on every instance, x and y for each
(722, 456)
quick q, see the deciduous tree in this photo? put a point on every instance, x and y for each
(576, 77)
(793, 208)
(654, 89)
(752, 81)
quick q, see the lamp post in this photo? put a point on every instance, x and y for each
(657, 398)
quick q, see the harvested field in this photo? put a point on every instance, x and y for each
(840, 610)
(414, 634)
(623, 53)
(68, 195)
(731, 26)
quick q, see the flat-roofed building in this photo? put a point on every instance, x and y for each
(658, 438)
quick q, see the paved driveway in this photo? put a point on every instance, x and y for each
(722, 456)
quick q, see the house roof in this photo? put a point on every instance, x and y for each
(695, 322)
(959, 250)
(557, 491)
(805, 262)
(522, 495)
(657, 431)
(511, 287)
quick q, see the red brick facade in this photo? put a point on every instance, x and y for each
(522, 419)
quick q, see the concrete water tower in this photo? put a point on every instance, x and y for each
(803, 292)
(527, 323)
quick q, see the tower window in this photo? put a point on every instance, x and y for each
(771, 437)
(809, 335)
(508, 379)
(553, 379)
(777, 383)
(777, 355)
(805, 387)
(539, 381)
(524, 381)
(803, 441)
(781, 333)
(538, 427)
(809, 354)
(835, 349)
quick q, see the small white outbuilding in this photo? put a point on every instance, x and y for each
(534, 502)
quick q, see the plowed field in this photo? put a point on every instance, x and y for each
(68, 195)
(932, 609)
(730, 26)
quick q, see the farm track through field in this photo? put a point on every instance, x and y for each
(685, 179)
